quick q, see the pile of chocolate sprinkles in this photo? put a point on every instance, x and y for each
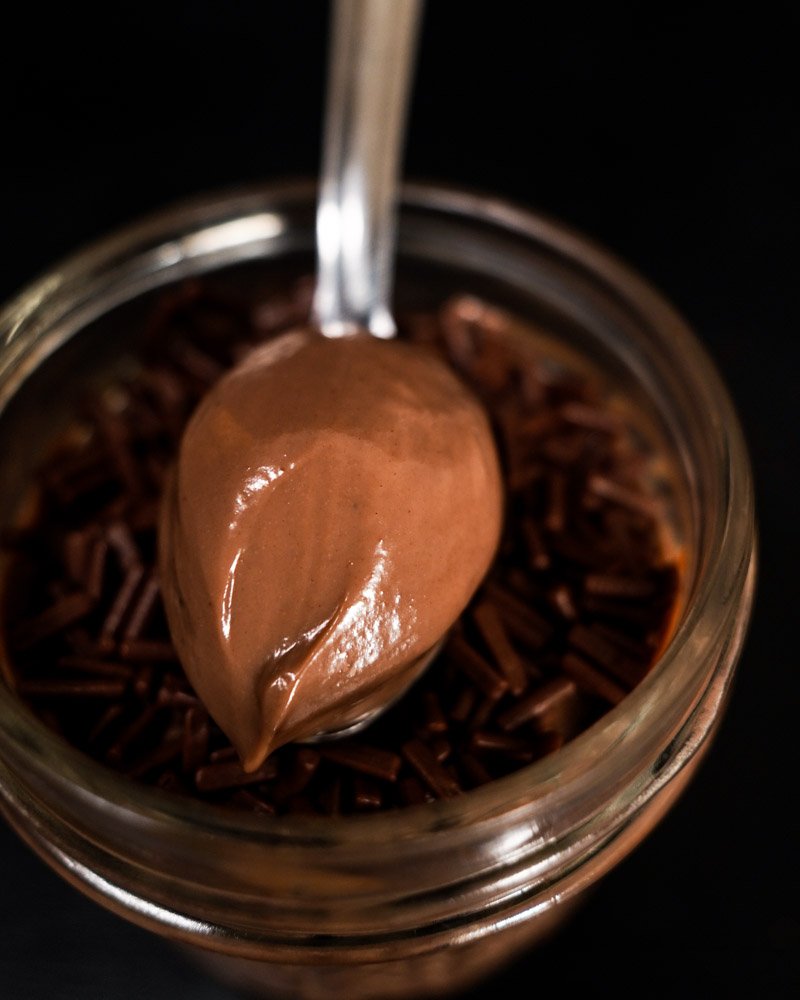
(571, 616)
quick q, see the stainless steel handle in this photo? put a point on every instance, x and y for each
(371, 61)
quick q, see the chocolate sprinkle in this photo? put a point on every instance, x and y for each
(569, 620)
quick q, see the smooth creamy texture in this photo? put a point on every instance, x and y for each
(334, 507)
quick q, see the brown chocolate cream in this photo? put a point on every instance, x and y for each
(335, 505)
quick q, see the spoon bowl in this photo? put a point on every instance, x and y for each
(415, 670)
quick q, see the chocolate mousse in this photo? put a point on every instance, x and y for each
(335, 505)
(573, 612)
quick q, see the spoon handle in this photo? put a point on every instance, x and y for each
(371, 59)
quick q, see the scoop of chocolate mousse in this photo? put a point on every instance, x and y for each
(334, 506)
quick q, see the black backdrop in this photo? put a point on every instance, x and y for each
(670, 136)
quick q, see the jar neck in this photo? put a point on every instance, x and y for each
(311, 889)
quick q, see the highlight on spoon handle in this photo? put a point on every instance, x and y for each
(371, 62)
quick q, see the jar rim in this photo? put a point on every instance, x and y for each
(554, 779)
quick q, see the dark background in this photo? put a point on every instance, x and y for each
(669, 136)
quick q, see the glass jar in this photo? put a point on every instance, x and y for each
(427, 899)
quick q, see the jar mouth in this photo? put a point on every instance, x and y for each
(636, 730)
